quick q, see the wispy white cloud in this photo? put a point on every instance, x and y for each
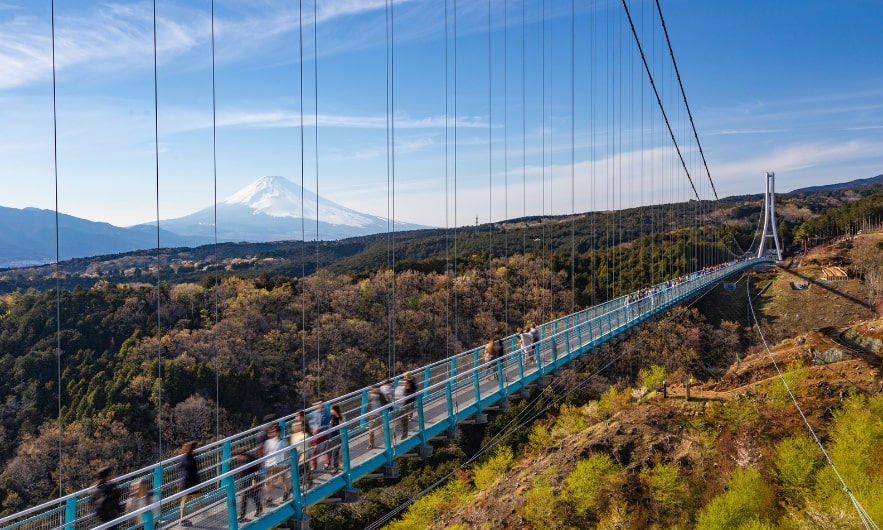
(799, 157)
(279, 118)
(106, 38)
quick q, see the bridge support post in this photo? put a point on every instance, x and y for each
(350, 495)
(301, 524)
(391, 470)
(480, 418)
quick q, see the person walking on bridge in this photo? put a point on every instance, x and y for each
(189, 473)
(526, 344)
(107, 498)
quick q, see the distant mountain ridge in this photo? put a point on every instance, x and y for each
(842, 185)
(28, 237)
(269, 209)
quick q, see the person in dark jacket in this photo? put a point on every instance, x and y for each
(249, 483)
(107, 498)
(189, 473)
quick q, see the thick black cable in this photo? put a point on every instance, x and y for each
(659, 100)
(684, 94)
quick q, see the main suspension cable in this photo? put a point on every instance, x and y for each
(684, 94)
(659, 101)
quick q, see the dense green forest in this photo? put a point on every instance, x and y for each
(110, 371)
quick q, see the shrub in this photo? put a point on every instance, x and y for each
(421, 514)
(487, 473)
(796, 461)
(742, 502)
(541, 506)
(667, 488)
(794, 375)
(540, 436)
(613, 401)
(590, 483)
(652, 377)
(856, 449)
(570, 420)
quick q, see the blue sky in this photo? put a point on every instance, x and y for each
(790, 86)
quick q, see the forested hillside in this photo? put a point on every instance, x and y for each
(117, 370)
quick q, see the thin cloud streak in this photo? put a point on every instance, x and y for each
(105, 39)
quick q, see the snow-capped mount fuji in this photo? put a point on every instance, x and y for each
(271, 209)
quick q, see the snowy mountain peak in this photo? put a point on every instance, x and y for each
(270, 209)
(276, 197)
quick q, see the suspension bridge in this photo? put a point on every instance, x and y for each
(460, 388)
(463, 387)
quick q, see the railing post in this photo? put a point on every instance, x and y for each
(157, 482)
(229, 485)
(345, 457)
(449, 393)
(70, 513)
(364, 408)
(476, 383)
(387, 437)
(579, 329)
(297, 501)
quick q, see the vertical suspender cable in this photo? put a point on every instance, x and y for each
(506, 162)
(156, 166)
(392, 128)
(572, 167)
(523, 116)
(456, 305)
(215, 218)
(316, 147)
(303, 229)
(543, 209)
(57, 253)
(618, 178)
(447, 205)
(594, 242)
(490, 148)
(608, 65)
(389, 300)
(543, 114)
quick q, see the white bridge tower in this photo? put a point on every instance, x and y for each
(769, 217)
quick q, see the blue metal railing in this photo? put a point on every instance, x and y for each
(453, 390)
